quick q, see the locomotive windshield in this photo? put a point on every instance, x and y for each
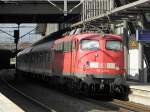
(114, 45)
(89, 45)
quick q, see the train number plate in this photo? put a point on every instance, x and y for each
(94, 65)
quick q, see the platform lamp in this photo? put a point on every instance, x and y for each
(16, 39)
(16, 36)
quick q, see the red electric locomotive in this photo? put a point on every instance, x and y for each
(85, 62)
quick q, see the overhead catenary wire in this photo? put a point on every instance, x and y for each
(7, 38)
(28, 32)
(6, 33)
(16, 27)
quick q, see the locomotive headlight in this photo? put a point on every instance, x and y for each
(93, 64)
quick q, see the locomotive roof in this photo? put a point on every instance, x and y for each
(59, 34)
(97, 36)
(40, 45)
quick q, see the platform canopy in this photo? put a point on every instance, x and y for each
(39, 11)
(129, 12)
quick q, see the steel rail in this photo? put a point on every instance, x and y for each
(105, 105)
(112, 105)
(28, 97)
(125, 106)
(131, 105)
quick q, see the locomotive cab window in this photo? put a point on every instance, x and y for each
(90, 45)
(114, 45)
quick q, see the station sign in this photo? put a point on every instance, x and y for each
(133, 44)
(143, 35)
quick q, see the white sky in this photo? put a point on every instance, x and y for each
(24, 28)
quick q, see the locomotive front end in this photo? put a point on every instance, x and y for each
(101, 61)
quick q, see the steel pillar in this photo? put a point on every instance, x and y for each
(141, 64)
(126, 50)
(65, 8)
(140, 52)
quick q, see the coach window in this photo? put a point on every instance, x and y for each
(44, 59)
(57, 47)
(32, 57)
(67, 46)
(25, 58)
(36, 61)
(90, 45)
(48, 57)
(45, 56)
(29, 60)
(40, 57)
(37, 58)
(60, 46)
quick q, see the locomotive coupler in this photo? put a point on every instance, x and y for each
(101, 84)
(119, 81)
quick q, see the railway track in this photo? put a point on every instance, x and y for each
(45, 107)
(131, 106)
(124, 106)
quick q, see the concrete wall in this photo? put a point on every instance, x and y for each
(41, 29)
(50, 28)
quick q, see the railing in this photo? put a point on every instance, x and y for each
(93, 8)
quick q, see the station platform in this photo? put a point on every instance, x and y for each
(140, 93)
(8, 106)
